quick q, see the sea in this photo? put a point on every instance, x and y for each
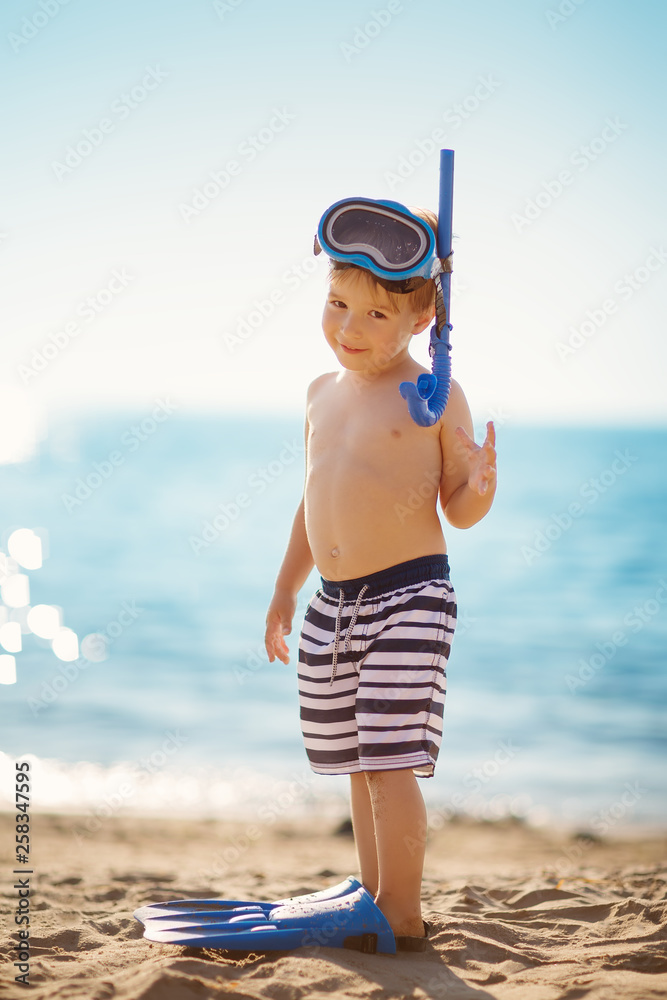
(161, 538)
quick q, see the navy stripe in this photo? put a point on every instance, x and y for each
(380, 750)
(329, 756)
(402, 685)
(324, 715)
(370, 706)
(396, 729)
(323, 621)
(424, 569)
(330, 736)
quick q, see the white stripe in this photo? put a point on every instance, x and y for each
(342, 743)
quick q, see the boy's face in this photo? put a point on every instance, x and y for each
(362, 328)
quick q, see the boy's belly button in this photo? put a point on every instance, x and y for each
(335, 552)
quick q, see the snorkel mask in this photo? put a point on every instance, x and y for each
(399, 249)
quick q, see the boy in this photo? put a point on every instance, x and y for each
(376, 635)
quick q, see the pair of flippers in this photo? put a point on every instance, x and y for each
(343, 916)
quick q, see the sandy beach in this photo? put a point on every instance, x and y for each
(515, 912)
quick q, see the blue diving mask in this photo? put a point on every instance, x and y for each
(384, 237)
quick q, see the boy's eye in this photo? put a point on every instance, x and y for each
(376, 314)
(338, 303)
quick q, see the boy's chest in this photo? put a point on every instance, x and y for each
(375, 430)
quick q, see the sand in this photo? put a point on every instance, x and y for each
(516, 912)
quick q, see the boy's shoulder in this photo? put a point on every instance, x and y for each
(456, 396)
(319, 382)
(457, 412)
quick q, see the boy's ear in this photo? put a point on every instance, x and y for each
(423, 320)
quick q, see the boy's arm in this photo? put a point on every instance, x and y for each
(293, 573)
(468, 482)
(298, 561)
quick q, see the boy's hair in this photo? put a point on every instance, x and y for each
(419, 301)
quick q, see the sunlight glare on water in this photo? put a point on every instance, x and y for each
(10, 637)
(26, 547)
(44, 620)
(15, 591)
(65, 644)
(7, 669)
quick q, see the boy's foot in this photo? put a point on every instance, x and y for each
(410, 929)
(409, 942)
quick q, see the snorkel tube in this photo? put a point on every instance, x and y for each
(428, 398)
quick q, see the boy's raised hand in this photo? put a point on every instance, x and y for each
(278, 625)
(481, 459)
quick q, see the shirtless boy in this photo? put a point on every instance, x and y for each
(377, 633)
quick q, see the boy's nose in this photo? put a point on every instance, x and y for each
(351, 327)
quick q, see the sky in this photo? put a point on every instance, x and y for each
(166, 165)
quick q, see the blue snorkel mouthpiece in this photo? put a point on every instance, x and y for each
(401, 251)
(428, 398)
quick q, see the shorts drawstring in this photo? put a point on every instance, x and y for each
(350, 628)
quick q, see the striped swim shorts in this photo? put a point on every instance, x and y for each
(372, 669)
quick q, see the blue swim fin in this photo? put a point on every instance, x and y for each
(215, 909)
(348, 920)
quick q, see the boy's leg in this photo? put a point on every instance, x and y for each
(399, 816)
(364, 831)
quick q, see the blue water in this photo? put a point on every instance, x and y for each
(557, 688)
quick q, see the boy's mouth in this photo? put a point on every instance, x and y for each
(353, 350)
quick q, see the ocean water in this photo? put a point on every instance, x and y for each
(163, 539)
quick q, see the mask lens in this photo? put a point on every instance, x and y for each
(392, 243)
